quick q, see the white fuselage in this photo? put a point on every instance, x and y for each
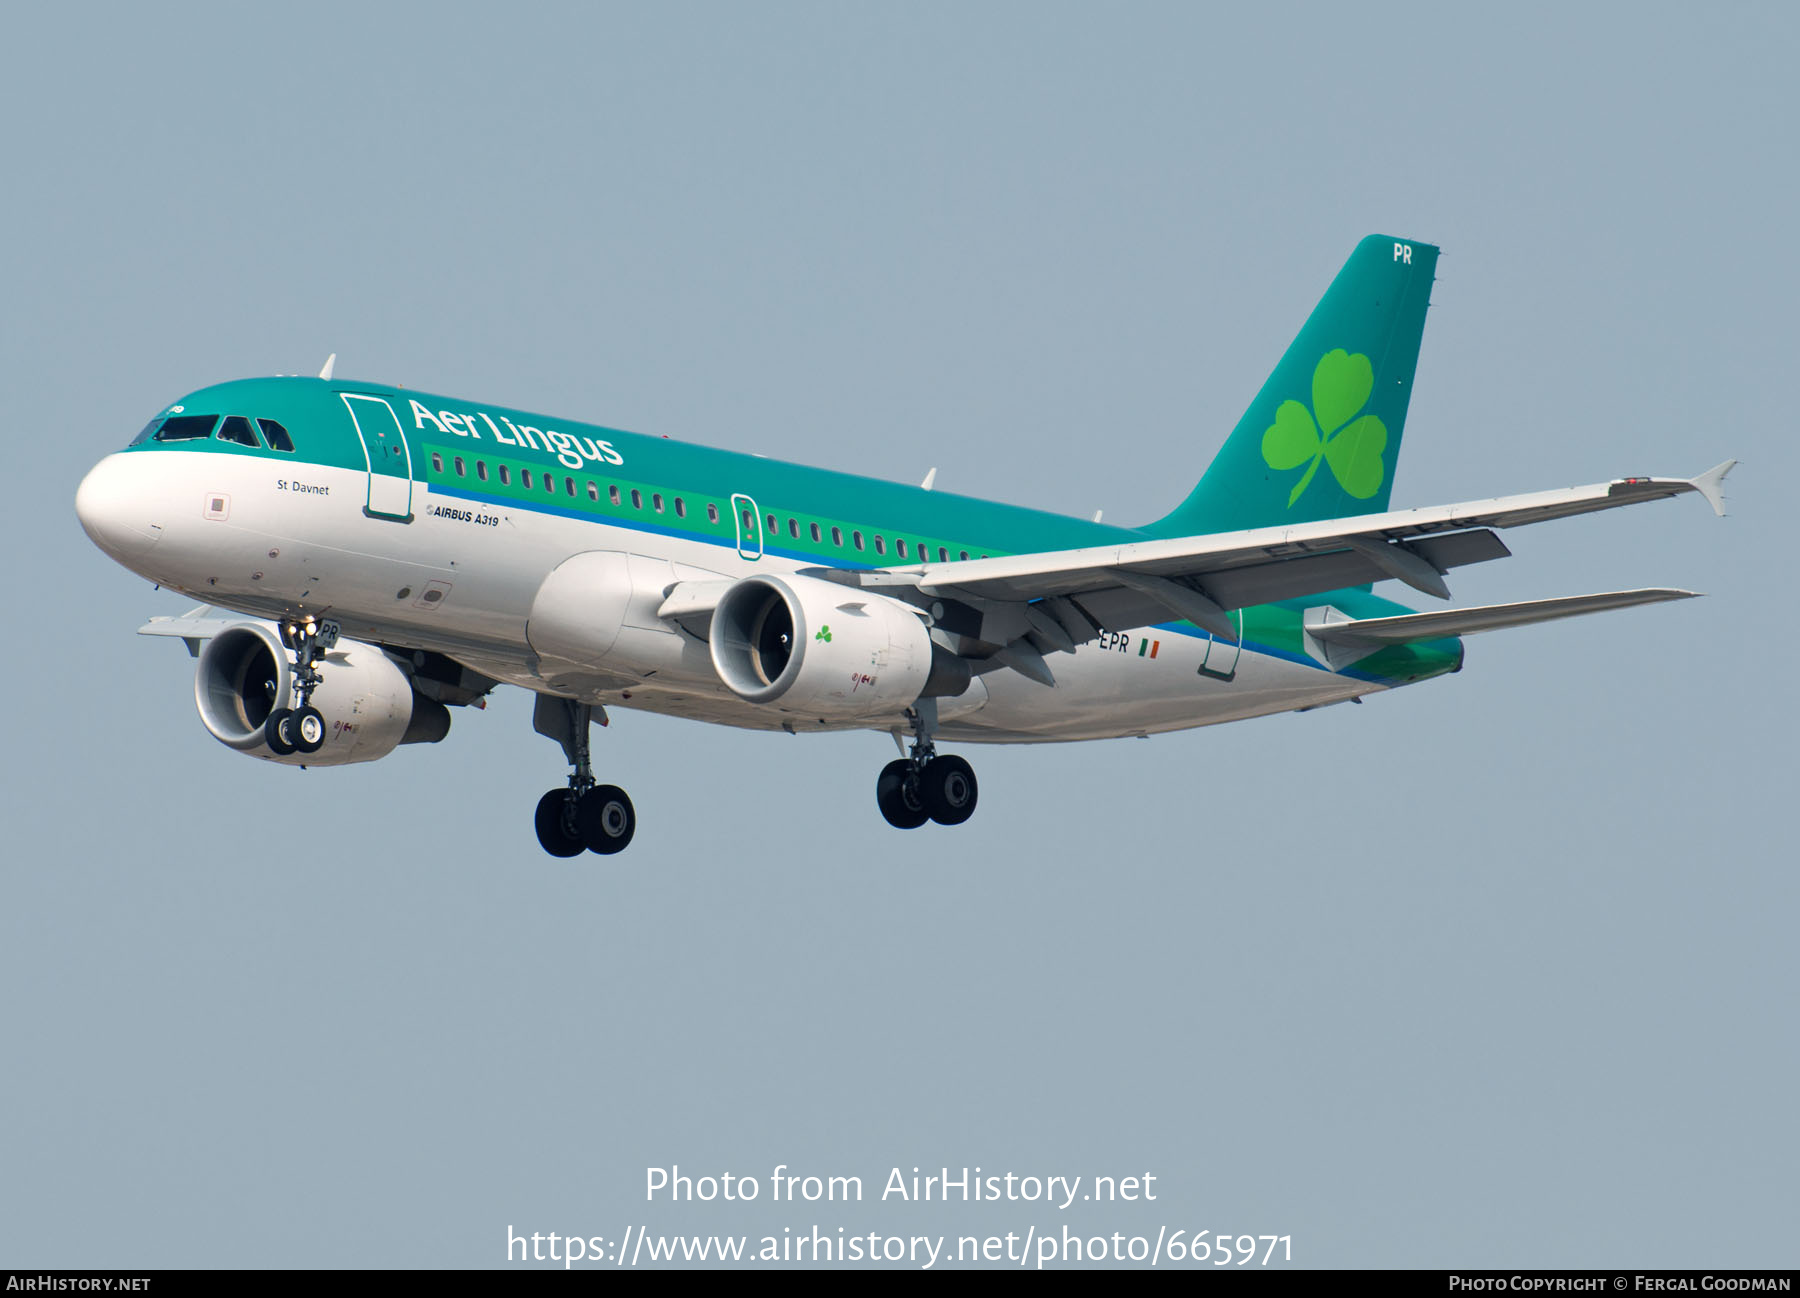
(273, 539)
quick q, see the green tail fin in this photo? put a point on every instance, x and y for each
(1323, 436)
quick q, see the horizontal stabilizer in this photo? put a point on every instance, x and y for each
(1377, 631)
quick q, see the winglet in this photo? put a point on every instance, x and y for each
(330, 363)
(1711, 484)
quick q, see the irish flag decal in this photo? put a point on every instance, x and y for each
(1148, 646)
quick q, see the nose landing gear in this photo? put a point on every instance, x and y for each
(585, 816)
(301, 728)
(925, 786)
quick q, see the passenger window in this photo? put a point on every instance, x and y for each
(237, 429)
(943, 555)
(656, 502)
(857, 538)
(680, 509)
(749, 523)
(962, 554)
(815, 532)
(505, 476)
(186, 428)
(461, 469)
(593, 491)
(637, 499)
(525, 477)
(276, 435)
(550, 483)
(794, 528)
(437, 462)
(899, 547)
(612, 493)
(569, 486)
(481, 469)
(712, 513)
(774, 525)
(880, 548)
(837, 537)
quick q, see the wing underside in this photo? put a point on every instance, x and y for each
(1035, 604)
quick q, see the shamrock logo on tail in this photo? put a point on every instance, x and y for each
(823, 633)
(1329, 431)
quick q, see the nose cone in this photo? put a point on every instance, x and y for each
(114, 509)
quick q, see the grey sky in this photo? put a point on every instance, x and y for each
(1494, 971)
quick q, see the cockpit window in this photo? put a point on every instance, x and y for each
(148, 429)
(186, 428)
(277, 435)
(237, 429)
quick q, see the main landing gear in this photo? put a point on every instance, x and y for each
(925, 786)
(585, 816)
(301, 728)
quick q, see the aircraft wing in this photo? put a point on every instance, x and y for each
(195, 626)
(1202, 578)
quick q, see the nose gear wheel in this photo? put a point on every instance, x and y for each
(301, 728)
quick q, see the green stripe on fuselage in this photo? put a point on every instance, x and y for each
(316, 418)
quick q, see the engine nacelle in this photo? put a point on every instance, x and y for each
(819, 650)
(369, 704)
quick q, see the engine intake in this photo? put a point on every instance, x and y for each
(818, 649)
(369, 703)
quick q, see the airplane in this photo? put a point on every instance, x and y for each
(372, 557)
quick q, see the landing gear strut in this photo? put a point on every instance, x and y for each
(301, 728)
(585, 816)
(925, 786)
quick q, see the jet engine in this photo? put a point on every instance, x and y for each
(820, 650)
(369, 703)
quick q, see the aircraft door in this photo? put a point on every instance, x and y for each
(1221, 657)
(749, 527)
(389, 456)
